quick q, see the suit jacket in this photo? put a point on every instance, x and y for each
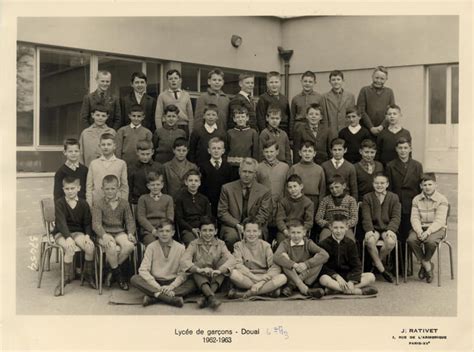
(408, 186)
(322, 141)
(109, 101)
(240, 100)
(148, 104)
(335, 111)
(229, 210)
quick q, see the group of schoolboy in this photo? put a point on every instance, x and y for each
(160, 176)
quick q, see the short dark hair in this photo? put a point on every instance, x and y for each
(251, 220)
(154, 176)
(308, 74)
(71, 179)
(428, 176)
(393, 106)
(70, 141)
(270, 142)
(338, 141)
(382, 69)
(336, 178)
(308, 144)
(180, 142)
(137, 108)
(294, 178)
(368, 143)
(352, 109)
(294, 223)
(336, 73)
(138, 75)
(207, 220)
(338, 217)
(212, 107)
(215, 140)
(380, 174)
(107, 135)
(144, 144)
(273, 108)
(240, 109)
(100, 108)
(192, 172)
(165, 222)
(314, 106)
(215, 71)
(245, 75)
(171, 108)
(273, 74)
(170, 72)
(403, 140)
(110, 179)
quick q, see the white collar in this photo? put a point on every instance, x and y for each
(210, 129)
(72, 166)
(339, 161)
(247, 95)
(213, 162)
(113, 158)
(133, 127)
(354, 130)
(335, 239)
(300, 243)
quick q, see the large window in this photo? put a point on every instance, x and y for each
(443, 94)
(121, 70)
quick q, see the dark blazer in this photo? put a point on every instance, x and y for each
(322, 141)
(240, 100)
(408, 186)
(112, 104)
(148, 104)
(229, 210)
(381, 217)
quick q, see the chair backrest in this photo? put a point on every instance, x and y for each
(47, 210)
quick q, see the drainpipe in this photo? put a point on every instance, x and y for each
(285, 55)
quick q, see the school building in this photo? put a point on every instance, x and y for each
(58, 58)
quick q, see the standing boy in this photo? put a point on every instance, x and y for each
(367, 167)
(273, 97)
(244, 98)
(166, 134)
(353, 134)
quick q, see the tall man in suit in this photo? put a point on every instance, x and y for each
(243, 199)
(138, 96)
(102, 96)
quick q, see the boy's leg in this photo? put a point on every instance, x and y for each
(110, 248)
(330, 283)
(415, 245)
(270, 286)
(295, 279)
(203, 283)
(371, 245)
(366, 279)
(126, 247)
(240, 280)
(431, 244)
(186, 288)
(140, 283)
(86, 244)
(389, 242)
(68, 246)
(187, 237)
(310, 275)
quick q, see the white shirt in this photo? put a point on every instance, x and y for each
(134, 127)
(213, 162)
(300, 243)
(248, 96)
(354, 130)
(334, 161)
(72, 166)
(139, 96)
(210, 129)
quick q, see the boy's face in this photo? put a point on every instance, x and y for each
(270, 153)
(274, 119)
(336, 82)
(216, 150)
(72, 153)
(174, 81)
(313, 116)
(103, 81)
(274, 84)
(208, 232)
(215, 82)
(171, 118)
(380, 184)
(368, 154)
(247, 85)
(144, 156)
(139, 85)
(337, 189)
(379, 78)
(393, 116)
(240, 119)
(136, 117)
(165, 234)
(252, 233)
(338, 151)
(403, 150)
(155, 186)
(307, 83)
(107, 146)
(110, 189)
(428, 187)
(307, 154)
(353, 119)
(180, 152)
(99, 117)
(71, 190)
(338, 229)
(296, 233)
(193, 182)
(210, 117)
(294, 189)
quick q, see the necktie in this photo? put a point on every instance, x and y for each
(337, 163)
(176, 94)
(245, 201)
(217, 164)
(101, 94)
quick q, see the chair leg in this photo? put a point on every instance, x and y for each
(363, 255)
(40, 258)
(396, 262)
(406, 263)
(450, 259)
(62, 272)
(101, 265)
(438, 248)
(41, 268)
(96, 274)
(82, 259)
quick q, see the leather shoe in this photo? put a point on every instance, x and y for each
(369, 290)
(214, 303)
(387, 276)
(123, 285)
(202, 302)
(287, 291)
(422, 272)
(316, 292)
(429, 274)
(147, 300)
(234, 294)
(275, 294)
(172, 301)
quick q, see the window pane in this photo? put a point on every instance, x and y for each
(25, 61)
(260, 84)
(190, 77)
(231, 83)
(64, 80)
(153, 73)
(455, 94)
(204, 73)
(437, 94)
(121, 71)
(38, 161)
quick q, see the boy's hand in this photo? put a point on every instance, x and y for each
(196, 232)
(154, 232)
(108, 240)
(286, 233)
(131, 238)
(424, 235)
(215, 273)
(70, 244)
(342, 283)
(256, 287)
(240, 229)
(266, 277)
(167, 290)
(392, 235)
(300, 267)
(375, 130)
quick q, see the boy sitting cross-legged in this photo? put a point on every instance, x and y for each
(208, 260)
(255, 271)
(161, 276)
(73, 227)
(301, 260)
(342, 273)
(113, 223)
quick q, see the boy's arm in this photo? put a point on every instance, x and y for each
(362, 107)
(441, 214)
(260, 111)
(255, 150)
(141, 215)
(287, 151)
(124, 182)
(145, 268)
(321, 213)
(85, 112)
(60, 213)
(119, 143)
(159, 113)
(309, 216)
(261, 140)
(395, 215)
(281, 257)
(227, 257)
(187, 259)
(97, 221)
(131, 183)
(129, 220)
(415, 219)
(367, 222)
(239, 260)
(281, 216)
(90, 185)
(320, 256)
(264, 209)
(353, 215)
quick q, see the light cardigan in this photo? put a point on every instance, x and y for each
(183, 103)
(155, 266)
(256, 260)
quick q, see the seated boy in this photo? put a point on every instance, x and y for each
(128, 136)
(255, 271)
(367, 168)
(342, 273)
(73, 227)
(113, 223)
(161, 276)
(216, 172)
(274, 132)
(381, 213)
(428, 218)
(176, 168)
(166, 134)
(301, 260)
(107, 164)
(154, 207)
(71, 168)
(353, 134)
(190, 207)
(208, 260)
(338, 202)
(294, 206)
(90, 137)
(338, 165)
